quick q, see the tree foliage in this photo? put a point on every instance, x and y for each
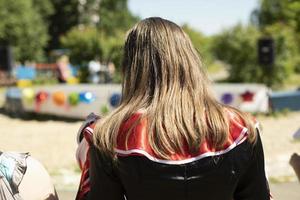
(84, 44)
(89, 12)
(287, 50)
(200, 42)
(22, 27)
(65, 16)
(277, 19)
(103, 40)
(115, 16)
(238, 48)
(44, 8)
(96, 29)
(115, 20)
(270, 12)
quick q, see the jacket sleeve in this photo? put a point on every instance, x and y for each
(104, 183)
(253, 184)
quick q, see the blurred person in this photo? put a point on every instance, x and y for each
(94, 70)
(295, 163)
(111, 71)
(24, 178)
(169, 138)
(64, 69)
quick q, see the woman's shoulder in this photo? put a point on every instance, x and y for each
(132, 138)
(135, 142)
(87, 127)
(237, 124)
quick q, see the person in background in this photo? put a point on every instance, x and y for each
(111, 71)
(169, 138)
(64, 69)
(94, 69)
(295, 163)
(24, 178)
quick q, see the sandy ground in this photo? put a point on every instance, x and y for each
(277, 136)
(53, 143)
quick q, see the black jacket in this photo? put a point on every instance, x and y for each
(238, 174)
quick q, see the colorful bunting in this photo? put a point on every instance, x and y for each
(87, 97)
(28, 95)
(40, 98)
(73, 99)
(227, 98)
(59, 98)
(115, 99)
(247, 96)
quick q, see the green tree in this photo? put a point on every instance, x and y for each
(104, 39)
(115, 16)
(44, 8)
(286, 49)
(66, 15)
(237, 47)
(200, 42)
(275, 14)
(89, 12)
(115, 20)
(84, 44)
(277, 11)
(22, 27)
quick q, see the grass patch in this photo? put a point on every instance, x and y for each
(293, 81)
(216, 67)
(76, 169)
(274, 114)
(282, 113)
(73, 169)
(295, 141)
(282, 179)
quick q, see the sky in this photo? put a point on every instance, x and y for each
(207, 16)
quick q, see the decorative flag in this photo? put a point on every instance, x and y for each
(59, 98)
(40, 98)
(87, 97)
(247, 96)
(73, 99)
(115, 99)
(28, 95)
(227, 98)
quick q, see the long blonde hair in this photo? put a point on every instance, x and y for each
(164, 76)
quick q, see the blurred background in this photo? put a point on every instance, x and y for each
(61, 60)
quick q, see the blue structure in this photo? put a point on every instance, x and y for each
(25, 72)
(115, 100)
(285, 100)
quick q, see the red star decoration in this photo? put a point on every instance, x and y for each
(247, 96)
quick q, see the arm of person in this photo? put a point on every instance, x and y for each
(104, 183)
(253, 184)
(36, 183)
